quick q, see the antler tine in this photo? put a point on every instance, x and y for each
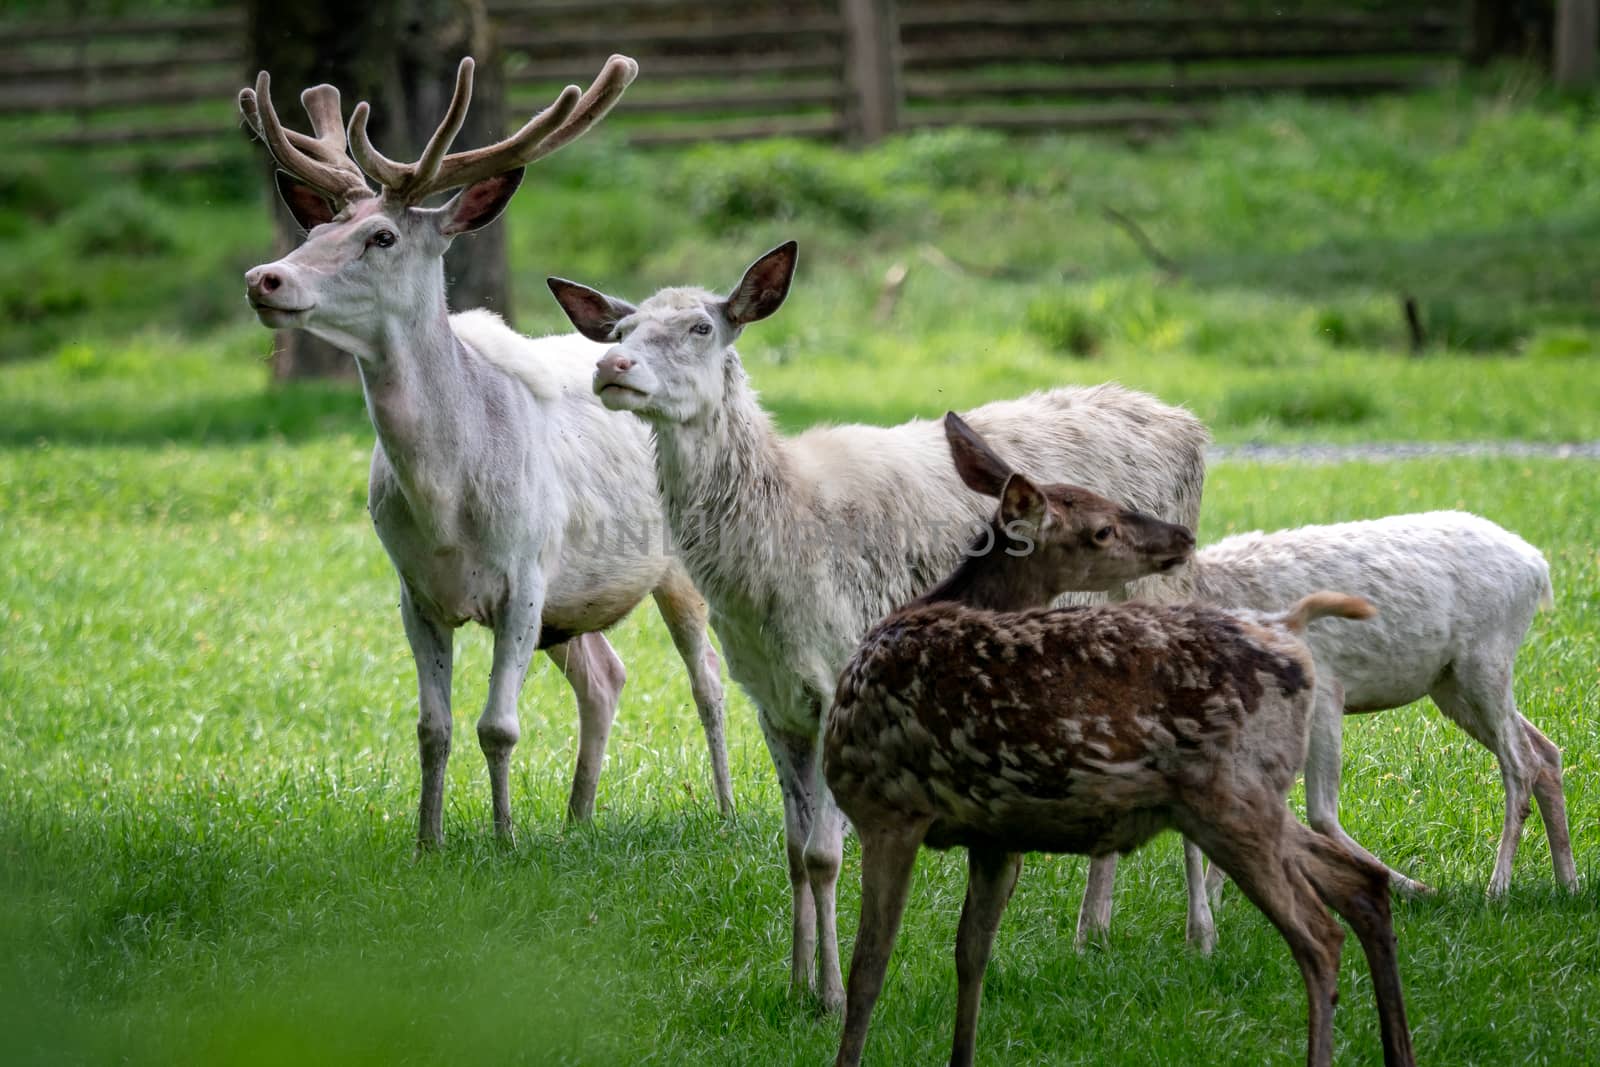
(321, 103)
(614, 78)
(515, 151)
(385, 171)
(427, 165)
(411, 182)
(252, 116)
(307, 158)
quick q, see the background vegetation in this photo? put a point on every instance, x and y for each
(206, 753)
(1293, 231)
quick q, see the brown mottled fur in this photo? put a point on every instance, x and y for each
(1009, 723)
(1089, 730)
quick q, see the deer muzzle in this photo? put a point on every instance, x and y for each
(275, 291)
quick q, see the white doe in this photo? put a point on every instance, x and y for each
(1456, 594)
(523, 509)
(975, 717)
(800, 544)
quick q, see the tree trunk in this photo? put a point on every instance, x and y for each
(872, 29)
(1575, 43)
(402, 58)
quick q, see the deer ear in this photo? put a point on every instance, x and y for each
(764, 286)
(309, 207)
(594, 313)
(979, 467)
(1021, 501)
(479, 204)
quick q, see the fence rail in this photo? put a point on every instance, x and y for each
(723, 69)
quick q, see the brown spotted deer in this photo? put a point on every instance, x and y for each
(974, 716)
(522, 505)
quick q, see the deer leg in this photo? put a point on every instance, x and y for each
(991, 877)
(1201, 929)
(1477, 697)
(1552, 803)
(887, 858)
(431, 648)
(1214, 882)
(1518, 782)
(824, 853)
(1324, 769)
(1357, 887)
(1094, 914)
(795, 759)
(1251, 843)
(516, 635)
(596, 674)
(684, 612)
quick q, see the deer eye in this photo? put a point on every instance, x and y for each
(1103, 535)
(701, 328)
(383, 238)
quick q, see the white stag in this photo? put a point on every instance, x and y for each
(513, 507)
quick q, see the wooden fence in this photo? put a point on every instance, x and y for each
(733, 69)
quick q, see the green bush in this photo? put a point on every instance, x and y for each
(1562, 342)
(121, 222)
(1064, 326)
(1362, 326)
(25, 300)
(1299, 403)
(956, 158)
(1146, 317)
(39, 186)
(736, 185)
(83, 361)
(1470, 325)
(232, 178)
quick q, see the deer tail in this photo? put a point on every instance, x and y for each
(1318, 605)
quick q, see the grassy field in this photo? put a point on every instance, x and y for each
(207, 787)
(207, 756)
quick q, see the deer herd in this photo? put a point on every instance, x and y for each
(918, 613)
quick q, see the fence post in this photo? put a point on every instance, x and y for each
(872, 34)
(1575, 44)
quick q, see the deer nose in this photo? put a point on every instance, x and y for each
(262, 281)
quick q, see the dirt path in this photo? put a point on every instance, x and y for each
(1376, 452)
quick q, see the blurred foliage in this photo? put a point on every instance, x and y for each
(731, 186)
(121, 221)
(1562, 342)
(1300, 404)
(1296, 230)
(85, 252)
(1064, 326)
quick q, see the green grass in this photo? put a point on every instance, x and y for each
(207, 768)
(159, 387)
(207, 780)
